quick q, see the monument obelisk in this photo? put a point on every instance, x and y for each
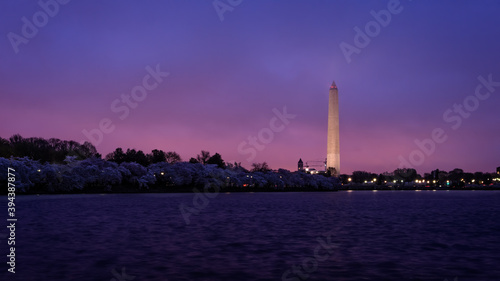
(333, 147)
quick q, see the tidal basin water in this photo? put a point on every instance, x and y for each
(361, 235)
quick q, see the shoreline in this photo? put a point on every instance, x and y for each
(254, 190)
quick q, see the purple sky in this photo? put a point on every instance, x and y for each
(226, 77)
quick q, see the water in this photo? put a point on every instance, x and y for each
(403, 235)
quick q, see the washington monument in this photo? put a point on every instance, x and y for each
(333, 148)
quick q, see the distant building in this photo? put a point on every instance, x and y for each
(300, 165)
(435, 174)
(498, 170)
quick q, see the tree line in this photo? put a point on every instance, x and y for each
(55, 150)
(456, 177)
(52, 150)
(56, 166)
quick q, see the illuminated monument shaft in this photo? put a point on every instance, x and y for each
(333, 147)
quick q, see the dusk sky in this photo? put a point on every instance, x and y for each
(231, 71)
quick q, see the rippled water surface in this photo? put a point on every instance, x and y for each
(359, 235)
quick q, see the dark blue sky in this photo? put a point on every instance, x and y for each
(226, 77)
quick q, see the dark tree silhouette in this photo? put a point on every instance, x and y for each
(260, 167)
(130, 155)
(405, 174)
(52, 150)
(362, 176)
(141, 158)
(203, 158)
(157, 156)
(116, 156)
(193, 161)
(5, 148)
(88, 150)
(136, 156)
(172, 157)
(217, 160)
(236, 166)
